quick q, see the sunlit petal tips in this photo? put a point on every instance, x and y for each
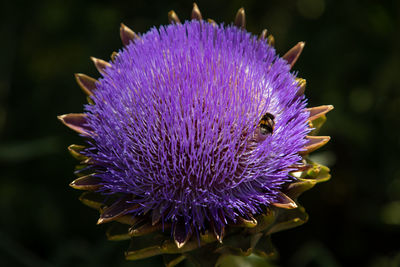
(219, 233)
(212, 22)
(88, 182)
(302, 86)
(147, 229)
(76, 152)
(114, 56)
(127, 35)
(315, 142)
(116, 210)
(240, 19)
(100, 64)
(242, 222)
(196, 14)
(173, 17)
(271, 40)
(317, 112)
(285, 202)
(263, 35)
(88, 84)
(181, 234)
(76, 122)
(293, 54)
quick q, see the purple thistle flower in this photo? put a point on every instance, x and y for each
(176, 122)
(194, 125)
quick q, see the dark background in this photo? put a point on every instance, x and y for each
(351, 60)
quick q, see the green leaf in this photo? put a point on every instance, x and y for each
(89, 100)
(170, 247)
(148, 228)
(207, 237)
(286, 219)
(156, 244)
(118, 232)
(203, 256)
(240, 261)
(263, 222)
(240, 244)
(93, 200)
(317, 124)
(265, 248)
(145, 246)
(318, 172)
(75, 151)
(129, 219)
(171, 260)
(244, 223)
(88, 182)
(294, 190)
(143, 253)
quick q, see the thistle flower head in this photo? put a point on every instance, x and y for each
(196, 126)
(176, 122)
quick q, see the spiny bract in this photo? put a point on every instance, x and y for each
(197, 127)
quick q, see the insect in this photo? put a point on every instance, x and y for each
(267, 124)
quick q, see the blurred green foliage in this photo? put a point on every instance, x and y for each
(351, 60)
